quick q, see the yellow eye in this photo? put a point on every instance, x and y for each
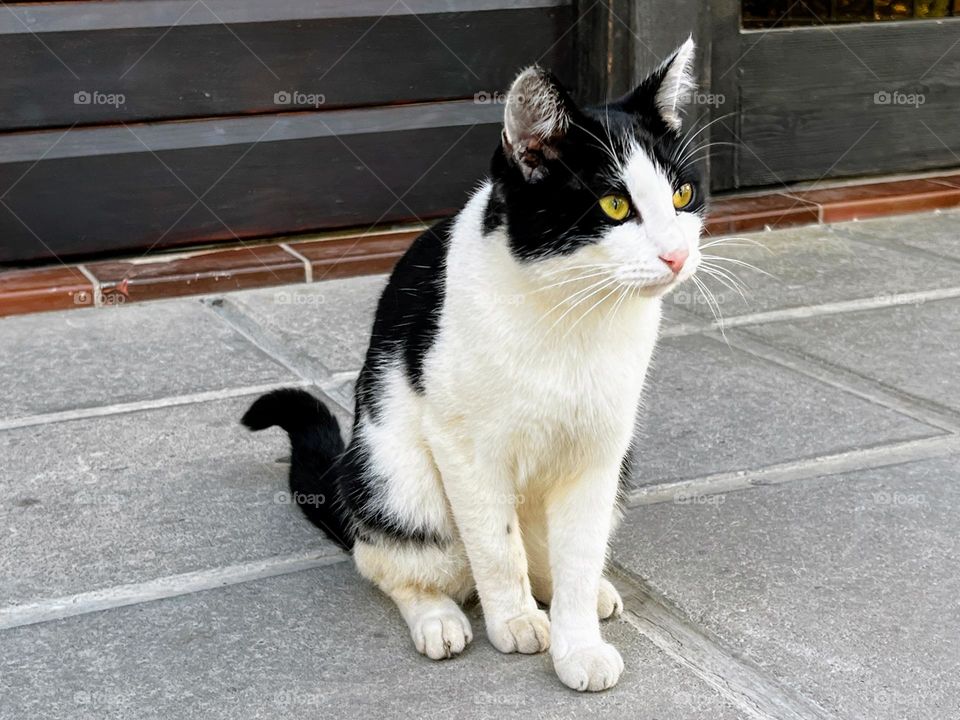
(615, 206)
(682, 196)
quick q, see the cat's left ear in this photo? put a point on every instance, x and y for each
(666, 90)
(536, 119)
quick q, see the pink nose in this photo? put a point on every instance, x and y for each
(675, 259)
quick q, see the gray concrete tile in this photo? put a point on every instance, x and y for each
(316, 644)
(85, 358)
(913, 348)
(95, 503)
(343, 392)
(937, 232)
(815, 265)
(328, 323)
(844, 588)
(710, 408)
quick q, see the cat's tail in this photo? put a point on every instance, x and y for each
(316, 447)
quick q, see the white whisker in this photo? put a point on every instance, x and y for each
(731, 240)
(603, 284)
(689, 139)
(726, 282)
(572, 280)
(712, 304)
(742, 264)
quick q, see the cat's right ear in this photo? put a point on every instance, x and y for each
(536, 118)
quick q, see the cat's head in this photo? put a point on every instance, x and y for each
(607, 190)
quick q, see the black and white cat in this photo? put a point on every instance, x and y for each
(496, 406)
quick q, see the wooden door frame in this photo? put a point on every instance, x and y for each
(802, 102)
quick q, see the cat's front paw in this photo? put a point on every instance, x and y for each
(609, 602)
(593, 668)
(526, 633)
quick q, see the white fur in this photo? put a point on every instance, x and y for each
(677, 84)
(514, 448)
(400, 453)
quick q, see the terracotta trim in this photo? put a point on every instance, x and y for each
(344, 254)
(879, 199)
(42, 289)
(772, 210)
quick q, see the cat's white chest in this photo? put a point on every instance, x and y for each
(551, 403)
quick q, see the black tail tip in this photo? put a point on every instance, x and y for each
(290, 408)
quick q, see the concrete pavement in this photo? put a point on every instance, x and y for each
(789, 548)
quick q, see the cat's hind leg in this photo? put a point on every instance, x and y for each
(423, 578)
(407, 543)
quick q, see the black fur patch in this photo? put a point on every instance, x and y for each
(407, 314)
(358, 490)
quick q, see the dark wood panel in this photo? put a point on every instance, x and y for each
(835, 102)
(722, 55)
(48, 16)
(134, 60)
(102, 190)
(603, 43)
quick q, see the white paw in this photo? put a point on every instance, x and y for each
(609, 602)
(441, 634)
(593, 668)
(526, 633)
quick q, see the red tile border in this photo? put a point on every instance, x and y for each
(742, 214)
(949, 180)
(250, 266)
(43, 289)
(858, 202)
(357, 255)
(196, 273)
